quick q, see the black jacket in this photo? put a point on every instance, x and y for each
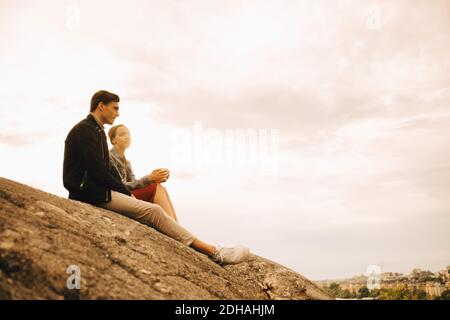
(87, 172)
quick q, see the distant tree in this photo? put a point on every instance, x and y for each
(375, 293)
(402, 294)
(395, 294)
(334, 285)
(417, 294)
(363, 292)
(345, 294)
(425, 276)
(334, 289)
(429, 278)
(444, 296)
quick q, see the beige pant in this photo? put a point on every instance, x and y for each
(150, 214)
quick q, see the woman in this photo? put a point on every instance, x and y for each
(147, 188)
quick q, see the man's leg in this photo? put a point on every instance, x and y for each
(149, 214)
(153, 215)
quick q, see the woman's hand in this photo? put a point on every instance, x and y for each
(159, 175)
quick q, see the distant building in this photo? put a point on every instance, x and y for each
(447, 285)
(434, 289)
(352, 287)
(434, 284)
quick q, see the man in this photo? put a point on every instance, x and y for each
(88, 178)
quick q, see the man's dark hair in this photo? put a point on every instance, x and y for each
(103, 96)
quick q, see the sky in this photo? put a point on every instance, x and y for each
(316, 133)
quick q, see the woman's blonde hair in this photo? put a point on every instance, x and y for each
(112, 132)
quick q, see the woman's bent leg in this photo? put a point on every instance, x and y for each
(162, 198)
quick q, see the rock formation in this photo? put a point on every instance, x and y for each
(45, 239)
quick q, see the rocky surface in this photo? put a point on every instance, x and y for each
(42, 235)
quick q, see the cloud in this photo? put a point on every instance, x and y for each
(362, 114)
(321, 80)
(22, 139)
(15, 140)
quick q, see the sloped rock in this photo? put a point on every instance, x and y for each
(43, 238)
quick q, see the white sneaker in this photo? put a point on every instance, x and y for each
(233, 255)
